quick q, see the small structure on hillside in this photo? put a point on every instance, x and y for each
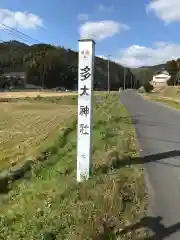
(19, 75)
(13, 80)
(160, 78)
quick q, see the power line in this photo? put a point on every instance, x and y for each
(8, 28)
(19, 32)
(14, 34)
(6, 31)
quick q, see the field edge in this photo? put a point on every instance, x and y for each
(99, 208)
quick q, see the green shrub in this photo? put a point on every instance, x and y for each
(148, 87)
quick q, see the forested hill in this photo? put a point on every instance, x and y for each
(49, 66)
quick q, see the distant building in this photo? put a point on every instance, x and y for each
(19, 75)
(15, 75)
(33, 87)
(13, 80)
(160, 78)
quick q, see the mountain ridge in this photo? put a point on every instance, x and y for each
(52, 66)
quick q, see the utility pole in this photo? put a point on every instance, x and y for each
(124, 78)
(135, 82)
(108, 74)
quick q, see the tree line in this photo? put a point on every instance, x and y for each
(50, 66)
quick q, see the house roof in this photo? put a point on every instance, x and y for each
(162, 71)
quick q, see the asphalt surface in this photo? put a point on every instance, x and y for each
(158, 133)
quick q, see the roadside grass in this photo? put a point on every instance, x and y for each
(169, 102)
(52, 205)
(172, 91)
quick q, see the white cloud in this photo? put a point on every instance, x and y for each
(101, 30)
(135, 55)
(83, 16)
(20, 19)
(104, 8)
(166, 10)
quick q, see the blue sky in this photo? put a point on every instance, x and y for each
(141, 32)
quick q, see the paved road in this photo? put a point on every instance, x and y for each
(158, 132)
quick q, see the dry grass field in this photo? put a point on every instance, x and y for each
(26, 125)
(43, 94)
(35, 94)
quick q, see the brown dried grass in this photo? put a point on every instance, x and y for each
(26, 126)
(35, 94)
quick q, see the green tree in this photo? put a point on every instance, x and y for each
(172, 69)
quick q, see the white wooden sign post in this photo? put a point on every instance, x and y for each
(85, 89)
